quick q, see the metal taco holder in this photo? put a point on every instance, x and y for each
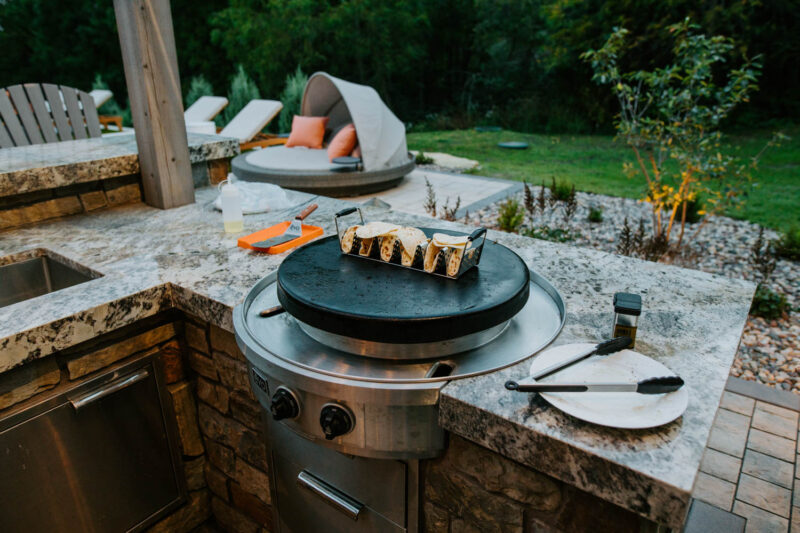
(470, 256)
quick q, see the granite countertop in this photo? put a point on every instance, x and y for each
(26, 169)
(152, 260)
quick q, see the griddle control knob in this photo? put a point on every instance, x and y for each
(336, 420)
(284, 404)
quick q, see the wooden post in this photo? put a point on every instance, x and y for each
(154, 89)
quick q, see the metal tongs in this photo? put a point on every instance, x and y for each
(658, 385)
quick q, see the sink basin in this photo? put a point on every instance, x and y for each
(34, 276)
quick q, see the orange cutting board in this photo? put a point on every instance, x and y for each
(309, 232)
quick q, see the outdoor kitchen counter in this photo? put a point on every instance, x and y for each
(25, 169)
(153, 260)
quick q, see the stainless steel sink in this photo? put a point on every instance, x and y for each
(38, 275)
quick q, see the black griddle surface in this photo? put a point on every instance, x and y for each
(372, 301)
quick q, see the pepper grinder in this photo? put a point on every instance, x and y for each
(627, 308)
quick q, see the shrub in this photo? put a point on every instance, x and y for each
(528, 200)
(423, 159)
(546, 233)
(595, 215)
(695, 210)
(561, 191)
(449, 213)
(570, 205)
(788, 245)
(430, 199)
(199, 86)
(243, 89)
(762, 258)
(511, 215)
(768, 304)
(292, 98)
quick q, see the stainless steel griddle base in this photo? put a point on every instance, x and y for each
(282, 340)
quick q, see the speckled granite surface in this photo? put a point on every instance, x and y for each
(152, 260)
(46, 166)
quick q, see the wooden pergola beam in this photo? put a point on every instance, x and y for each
(154, 89)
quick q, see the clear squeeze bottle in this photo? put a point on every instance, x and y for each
(232, 216)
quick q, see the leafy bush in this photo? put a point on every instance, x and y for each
(243, 89)
(423, 159)
(595, 215)
(546, 233)
(199, 86)
(561, 190)
(788, 245)
(292, 98)
(768, 304)
(511, 215)
(695, 210)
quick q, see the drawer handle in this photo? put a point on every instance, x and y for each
(110, 388)
(330, 495)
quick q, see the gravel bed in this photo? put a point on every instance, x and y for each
(770, 350)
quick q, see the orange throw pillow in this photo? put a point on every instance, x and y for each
(307, 131)
(356, 151)
(343, 143)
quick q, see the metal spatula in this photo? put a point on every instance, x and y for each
(294, 230)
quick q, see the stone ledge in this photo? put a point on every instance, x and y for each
(759, 391)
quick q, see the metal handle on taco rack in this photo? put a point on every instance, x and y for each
(477, 233)
(344, 212)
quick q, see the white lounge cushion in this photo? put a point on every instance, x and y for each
(205, 108)
(251, 119)
(297, 158)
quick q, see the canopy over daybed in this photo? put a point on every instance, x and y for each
(381, 137)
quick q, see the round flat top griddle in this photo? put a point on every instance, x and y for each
(367, 300)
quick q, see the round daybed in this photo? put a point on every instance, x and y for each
(381, 137)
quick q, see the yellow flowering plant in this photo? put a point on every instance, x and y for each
(670, 117)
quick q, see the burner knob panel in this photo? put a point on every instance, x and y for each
(336, 420)
(284, 404)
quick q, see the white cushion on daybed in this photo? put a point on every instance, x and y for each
(297, 158)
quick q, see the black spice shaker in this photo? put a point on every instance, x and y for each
(627, 308)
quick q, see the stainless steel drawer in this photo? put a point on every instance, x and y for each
(94, 458)
(307, 502)
(379, 484)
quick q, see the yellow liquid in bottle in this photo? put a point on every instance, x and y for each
(234, 226)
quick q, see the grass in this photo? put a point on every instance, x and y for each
(594, 164)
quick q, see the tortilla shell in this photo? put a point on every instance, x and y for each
(371, 230)
(456, 241)
(349, 239)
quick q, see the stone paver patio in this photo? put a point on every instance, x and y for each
(475, 192)
(750, 467)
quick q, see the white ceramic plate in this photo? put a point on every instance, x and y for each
(629, 410)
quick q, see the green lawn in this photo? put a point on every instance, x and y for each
(594, 164)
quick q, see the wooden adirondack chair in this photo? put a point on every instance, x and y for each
(36, 113)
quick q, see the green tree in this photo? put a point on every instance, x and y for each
(291, 98)
(243, 89)
(198, 86)
(670, 117)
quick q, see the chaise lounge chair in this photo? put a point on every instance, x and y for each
(381, 136)
(205, 108)
(36, 113)
(248, 123)
(245, 126)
